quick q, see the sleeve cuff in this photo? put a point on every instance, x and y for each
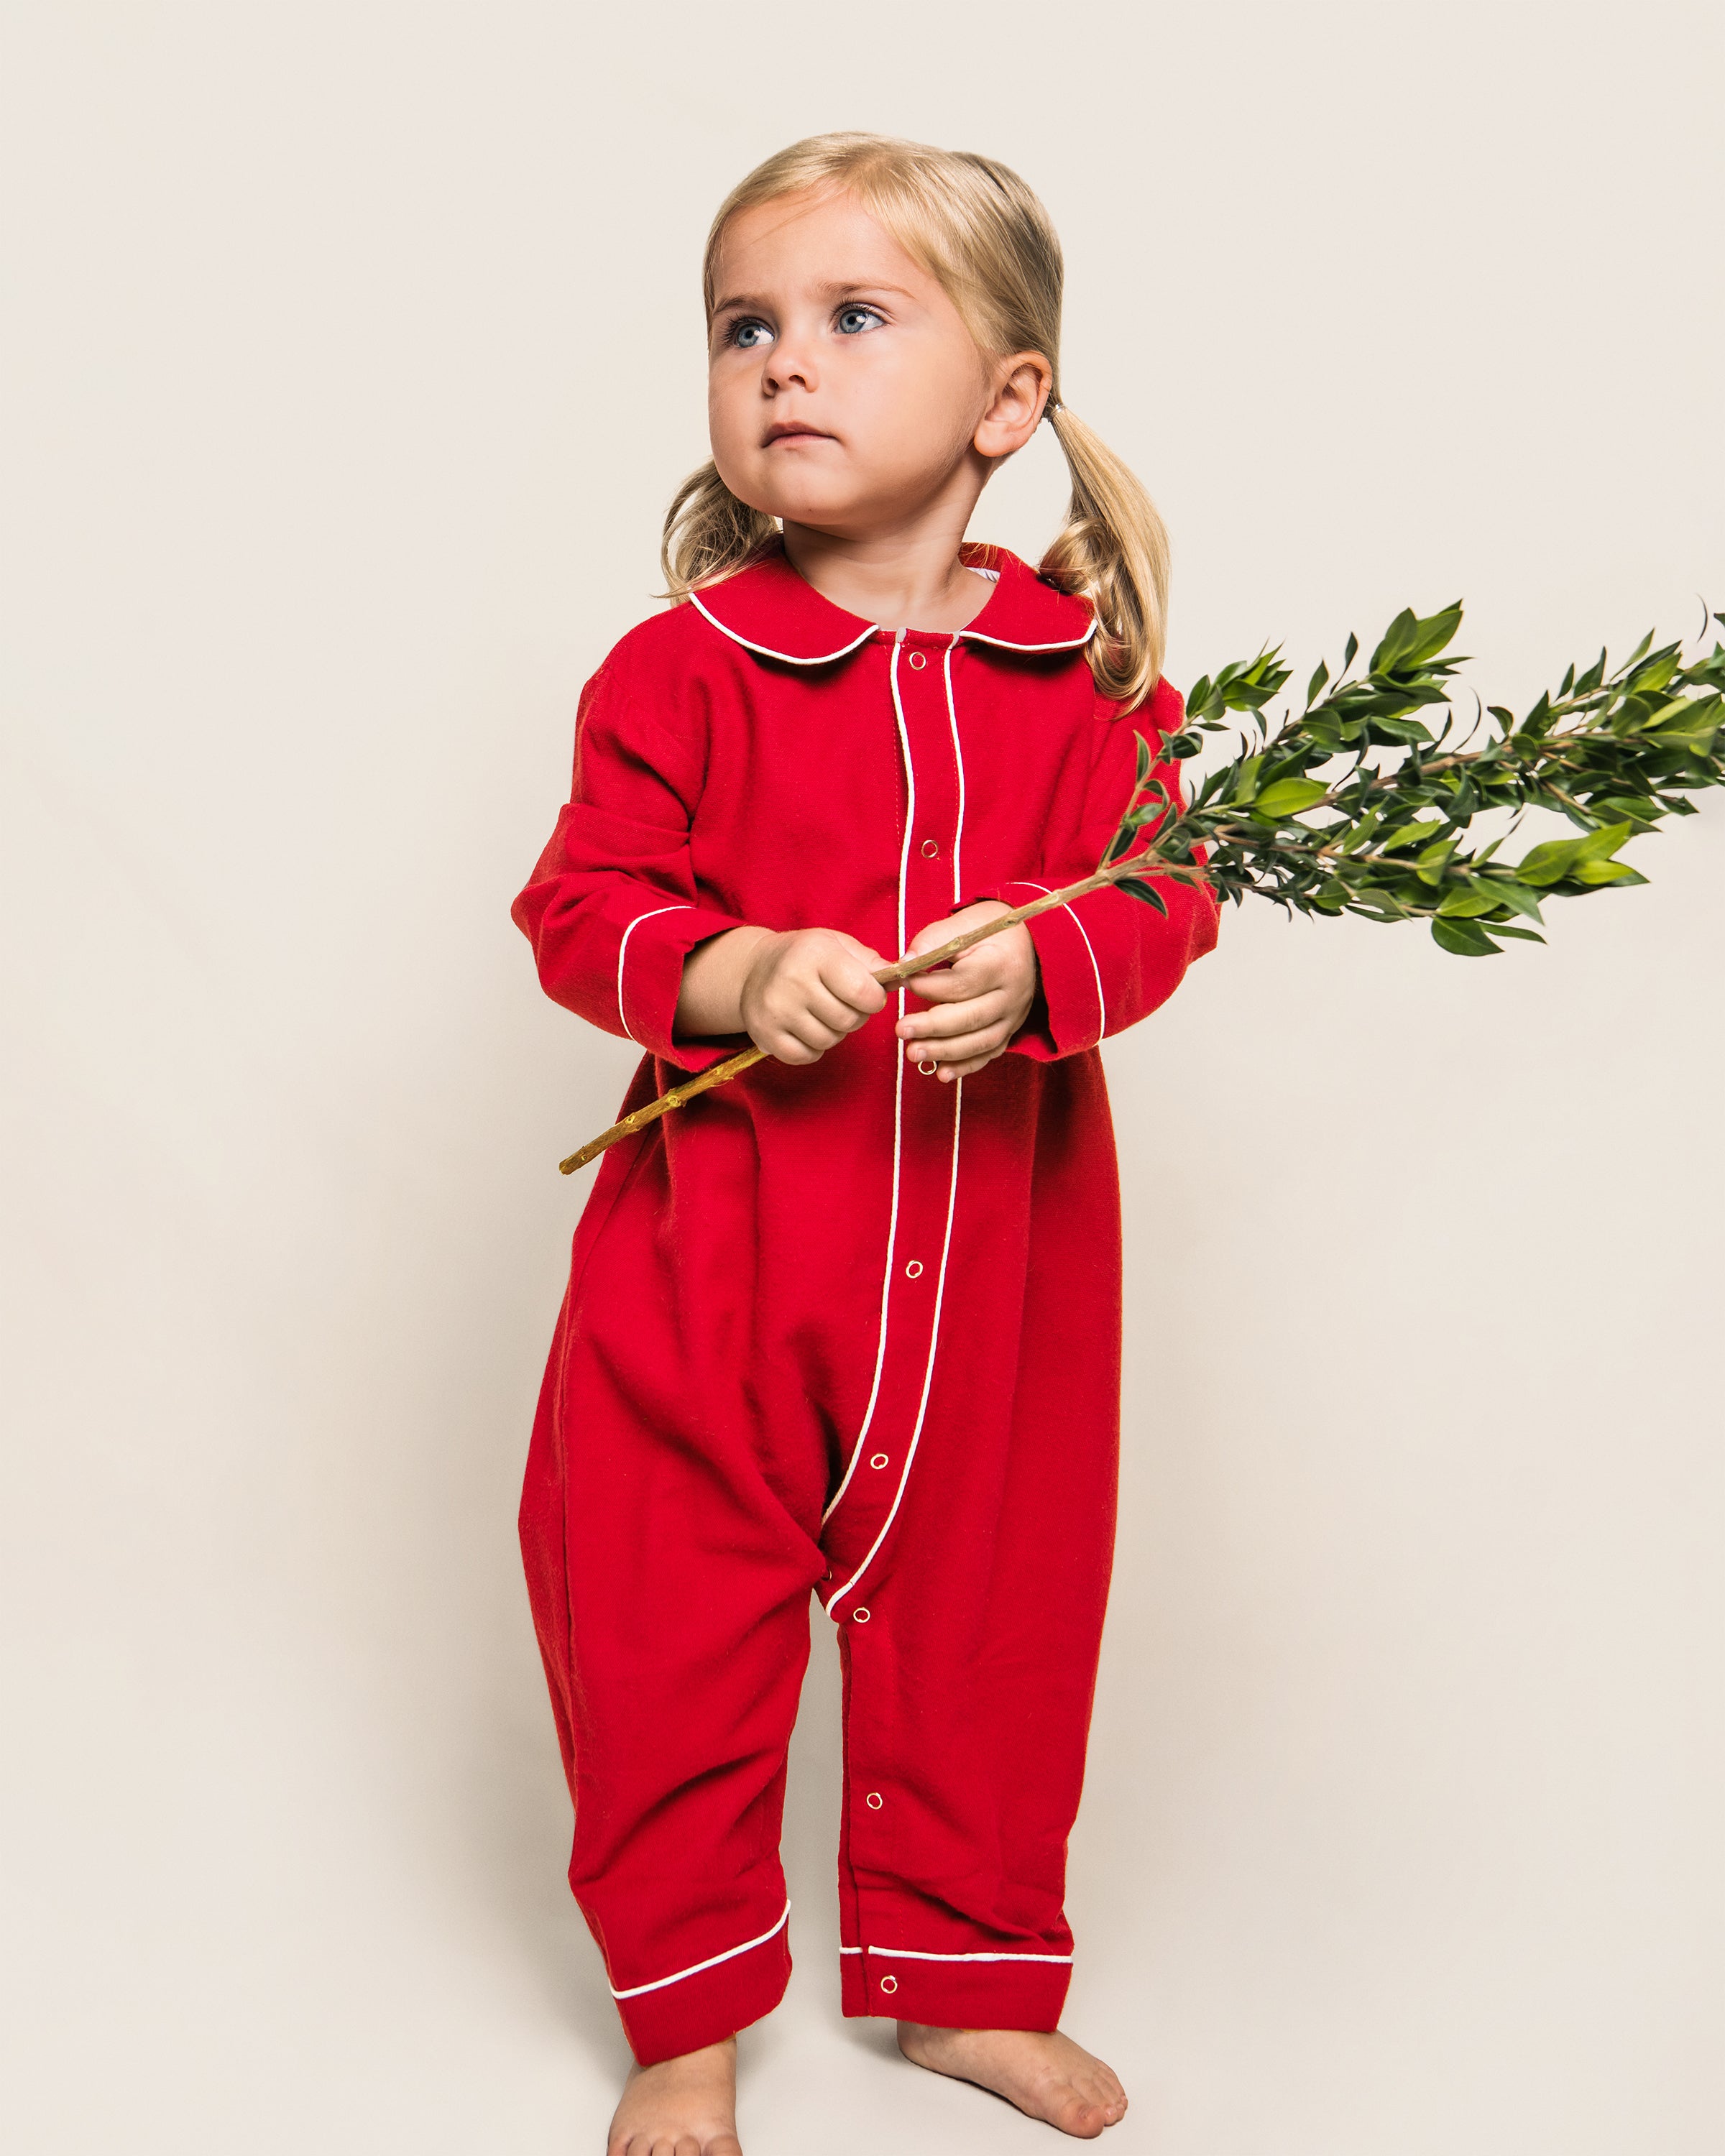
(649, 979)
(1070, 1012)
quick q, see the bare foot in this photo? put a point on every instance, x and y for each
(685, 2106)
(1049, 2076)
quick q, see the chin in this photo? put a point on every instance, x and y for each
(805, 497)
(822, 508)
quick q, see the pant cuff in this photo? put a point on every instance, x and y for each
(956, 1995)
(709, 2004)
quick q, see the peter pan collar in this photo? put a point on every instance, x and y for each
(769, 609)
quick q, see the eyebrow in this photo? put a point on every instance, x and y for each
(834, 289)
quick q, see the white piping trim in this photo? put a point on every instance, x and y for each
(898, 1091)
(683, 907)
(934, 1336)
(911, 1954)
(790, 658)
(1008, 643)
(958, 759)
(856, 1454)
(713, 1961)
(850, 1949)
(904, 742)
(1101, 1001)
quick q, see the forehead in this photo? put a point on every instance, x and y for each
(826, 237)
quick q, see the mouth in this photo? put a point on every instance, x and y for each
(794, 430)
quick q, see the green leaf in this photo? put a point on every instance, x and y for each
(1146, 759)
(1347, 656)
(1363, 829)
(1600, 872)
(1287, 797)
(1410, 642)
(1430, 865)
(1585, 684)
(1642, 813)
(1599, 846)
(1549, 863)
(1318, 679)
(1512, 896)
(1411, 834)
(1135, 887)
(1465, 938)
(1245, 785)
(1462, 903)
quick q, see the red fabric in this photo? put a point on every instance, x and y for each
(840, 1328)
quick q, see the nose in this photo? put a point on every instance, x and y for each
(790, 364)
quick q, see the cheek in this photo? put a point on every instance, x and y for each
(733, 417)
(918, 414)
(721, 402)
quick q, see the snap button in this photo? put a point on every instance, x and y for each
(879, 1460)
(889, 1983)
(859, 1616)
(931, 847)
(914, 1268)
(919, 659)
(874, 1800)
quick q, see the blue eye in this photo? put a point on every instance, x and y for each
(749, 334)
(854, 321)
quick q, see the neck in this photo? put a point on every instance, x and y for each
(904, 577)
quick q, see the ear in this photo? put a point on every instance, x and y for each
(1021, 384)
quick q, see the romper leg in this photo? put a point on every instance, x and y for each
(670, 1591)
(970, 1648)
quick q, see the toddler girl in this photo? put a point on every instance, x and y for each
(850, 1324)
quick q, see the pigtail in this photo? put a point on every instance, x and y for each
(708, 533)
(1113, 550)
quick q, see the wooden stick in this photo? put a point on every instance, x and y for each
(890, 977)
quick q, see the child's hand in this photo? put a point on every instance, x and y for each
(981, 997)
(806, 988)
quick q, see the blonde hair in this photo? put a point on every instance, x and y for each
(977, 229)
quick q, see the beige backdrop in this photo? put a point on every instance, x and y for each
(354, 349)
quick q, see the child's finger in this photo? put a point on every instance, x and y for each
(948, 1021)
(967, 1050)
(799, 1039)
(953, 984)
(833, 1010)
(854, 983)
(947, 1072)
(967, 1039)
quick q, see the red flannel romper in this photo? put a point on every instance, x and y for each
(842, 1327)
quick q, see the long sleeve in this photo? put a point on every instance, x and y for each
(1107, 960)
(612, 909)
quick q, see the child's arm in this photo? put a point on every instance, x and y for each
(795, 994)
(1109, 960)
(619, 928)
(1106, 960)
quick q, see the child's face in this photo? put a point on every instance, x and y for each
(845, 393)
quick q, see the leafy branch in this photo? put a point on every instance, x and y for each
(1309, 815)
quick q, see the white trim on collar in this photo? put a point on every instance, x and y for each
(1009, 643)
(873, 628)
(766, 651)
